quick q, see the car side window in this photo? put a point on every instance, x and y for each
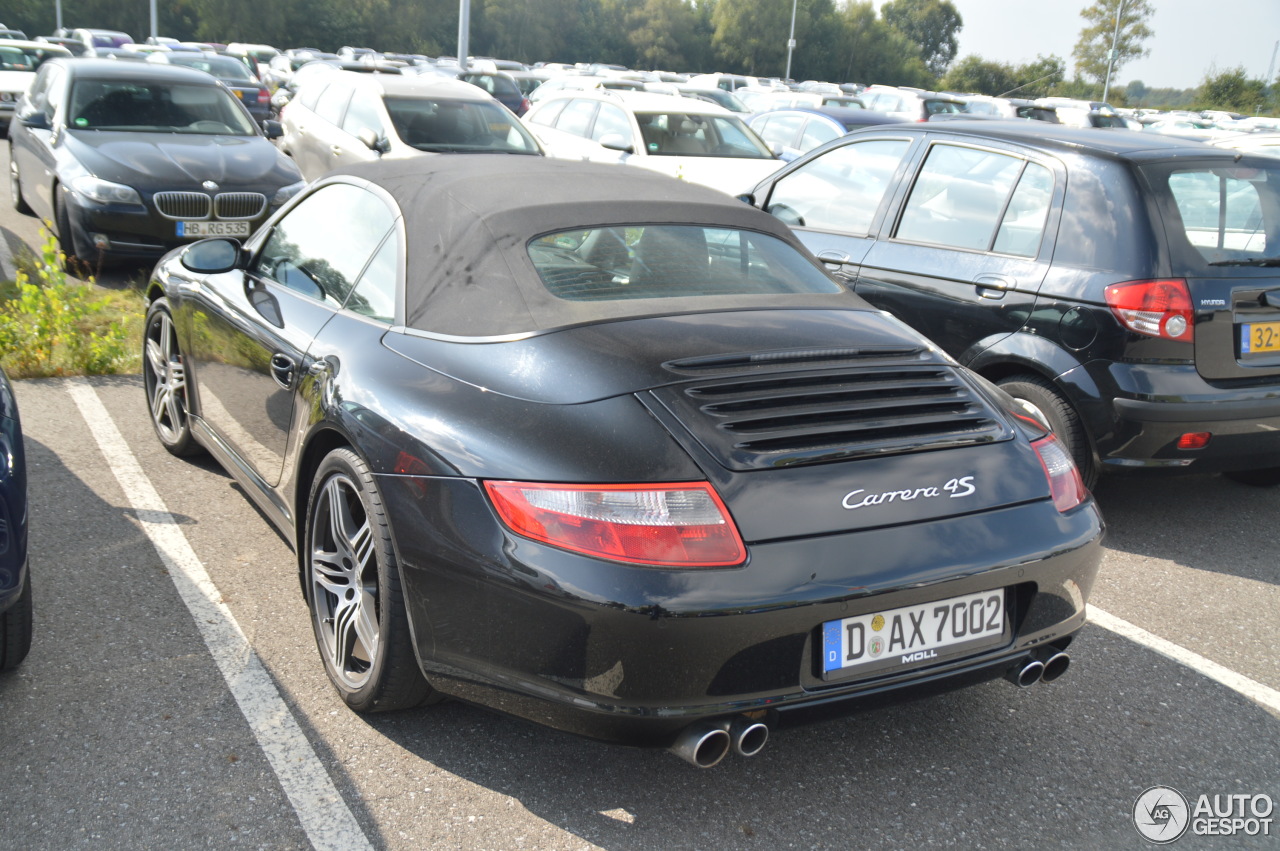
(612, 121)
(840, 190)
(38, 94)
(320, 247)
(375, 293)
(308, 95)
(576, 117)
(782, 130)
(333, 103)
(549, 113)
(959, 197)
(1023, 223)
(46, 91)
(817, 132)
(362, 114)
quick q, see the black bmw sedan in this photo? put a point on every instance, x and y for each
(614, 453)
(130, 159)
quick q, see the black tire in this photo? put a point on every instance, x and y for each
(15, 187)
(72, 263)
(1062, 418)
(164, 376)
(16, 629)
(374, 667)
(1263, 477)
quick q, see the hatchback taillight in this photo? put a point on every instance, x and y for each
(668, 525)
(1154, 308)
(1065, 484)
(264, 96)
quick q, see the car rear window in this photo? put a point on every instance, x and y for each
(1228, 215)
(671, 261)
(458, 126)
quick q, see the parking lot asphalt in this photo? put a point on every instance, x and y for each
(128, 727)
(120, 730)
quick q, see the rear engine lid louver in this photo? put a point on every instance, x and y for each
(786, 418)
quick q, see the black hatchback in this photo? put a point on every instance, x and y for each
(1126, 285)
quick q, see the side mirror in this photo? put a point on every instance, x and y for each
(272, 129)
(36, 120)
(370, 140)
(212, 256)
(616, 142)
(748, 199)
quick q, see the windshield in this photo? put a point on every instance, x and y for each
(156, 107)
(671, 261)
(459, 126)
(680, 134)
(21, 58)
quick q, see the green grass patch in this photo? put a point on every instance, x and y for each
(53, 325)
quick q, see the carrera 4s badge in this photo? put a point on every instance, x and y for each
(954, 488)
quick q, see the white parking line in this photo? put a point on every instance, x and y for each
(324, 815)
(1252, 689)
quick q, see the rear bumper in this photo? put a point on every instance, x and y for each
(1146, 408)
(635, 655)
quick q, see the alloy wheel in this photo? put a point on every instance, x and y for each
(344, 582)
(166, 380)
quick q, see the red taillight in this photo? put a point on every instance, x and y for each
(669, 525)
(1065, 484)
(264, 96)
(1154, 308)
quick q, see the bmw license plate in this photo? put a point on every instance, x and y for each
(913, 636)
(1259, 337)
(213, 228)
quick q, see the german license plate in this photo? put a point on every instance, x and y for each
(913, 636)
(1259, 337)
(213, 228)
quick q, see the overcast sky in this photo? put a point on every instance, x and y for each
(1190, 36)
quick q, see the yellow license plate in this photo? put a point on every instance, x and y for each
(238, 93)
(1258, 337)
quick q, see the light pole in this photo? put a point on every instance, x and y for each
(464, 32)
(1111, 57)
(791, 39)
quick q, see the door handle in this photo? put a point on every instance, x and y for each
(992, 286)
(282, 370)
(832, 258)
(336, 150)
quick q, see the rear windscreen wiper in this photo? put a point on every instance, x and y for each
(1256, 261)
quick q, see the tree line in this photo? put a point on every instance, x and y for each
(905, 42)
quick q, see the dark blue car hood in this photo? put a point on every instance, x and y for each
(155, 161)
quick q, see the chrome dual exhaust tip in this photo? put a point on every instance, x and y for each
(1041, 668)
(705, 743)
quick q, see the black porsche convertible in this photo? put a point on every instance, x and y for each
(612, 452)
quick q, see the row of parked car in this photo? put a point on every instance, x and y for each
(1000, 254)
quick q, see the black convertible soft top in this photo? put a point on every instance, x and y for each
(469, 219)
